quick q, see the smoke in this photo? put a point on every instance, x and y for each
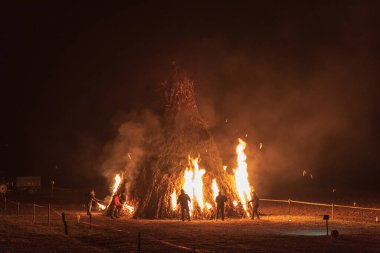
(315, 116)
(125, 153)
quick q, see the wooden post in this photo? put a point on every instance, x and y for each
(332, 211)
(289, 206)
(18, 208)
(139, 242)
(49, 214)
(64, 223)
(34, 213)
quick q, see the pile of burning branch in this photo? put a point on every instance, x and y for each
(186, 157)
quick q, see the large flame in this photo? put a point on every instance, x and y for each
(173, 197)
(193, 184)
(198, 183)
(241, 175)
(215, 189)
(115, 187)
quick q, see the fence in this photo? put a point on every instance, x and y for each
(333, 208)
(42, 214)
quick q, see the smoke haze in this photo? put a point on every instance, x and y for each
(300, 78)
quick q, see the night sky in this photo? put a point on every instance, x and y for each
(302, 78)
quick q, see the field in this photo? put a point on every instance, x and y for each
(303, 230)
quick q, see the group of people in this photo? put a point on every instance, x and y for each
(114, 208)
(118, 201)
(184, 200)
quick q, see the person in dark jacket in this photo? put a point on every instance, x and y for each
(183, 200)
(256, 203)
(220, 199)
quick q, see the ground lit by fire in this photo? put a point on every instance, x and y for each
(301, 233)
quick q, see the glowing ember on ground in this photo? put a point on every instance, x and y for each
(241, 175)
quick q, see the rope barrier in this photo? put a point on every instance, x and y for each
(276, 200)
(55, 211)
(320, 204)
(357, 207)
(268, 200)
(310, 203)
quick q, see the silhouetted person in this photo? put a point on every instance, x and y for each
(90, 200)
(220, 199)
(255, 202)
(183, 200)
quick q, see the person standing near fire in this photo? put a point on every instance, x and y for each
(90, 200)
(184, 200)
(114, 207)
(255, 203)
(220, 199)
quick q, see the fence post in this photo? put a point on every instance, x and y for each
(49, 214)
(18, 208)
(289, 206)
(139, 242)
(64, 223)
(332, 211)
(34, 213)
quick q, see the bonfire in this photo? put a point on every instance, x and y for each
(185, 156)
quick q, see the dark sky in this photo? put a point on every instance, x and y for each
(302, 78)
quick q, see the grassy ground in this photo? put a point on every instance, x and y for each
(273, 233)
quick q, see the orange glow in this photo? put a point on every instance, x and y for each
(241, 175)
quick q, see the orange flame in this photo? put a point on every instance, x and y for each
(115, 187)
(241, 175)
(173, 197)
(215, 189)
(193, 184)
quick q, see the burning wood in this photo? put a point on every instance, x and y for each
(169, 165)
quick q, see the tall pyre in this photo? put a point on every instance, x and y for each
(185, 156)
